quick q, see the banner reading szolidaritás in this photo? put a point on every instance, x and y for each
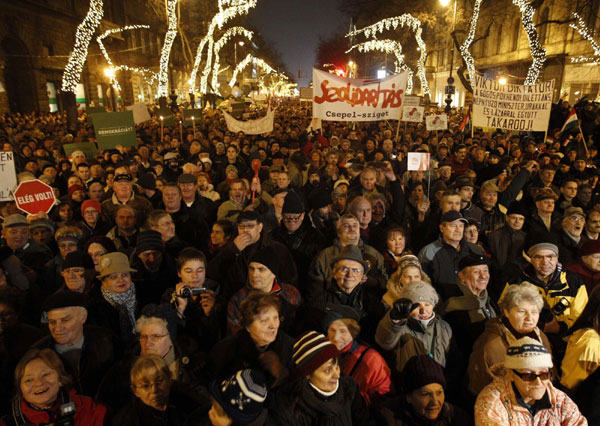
(344, 99)
(512, 106)
(114, 128)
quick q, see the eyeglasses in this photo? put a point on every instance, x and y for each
(153, 338)
(288, 218)
(538, 257)
(530, 377)
(576, 219)
(351, 271)
(97, 254)
(147, 386)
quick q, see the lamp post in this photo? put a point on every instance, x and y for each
(450, 86)
(241, 43)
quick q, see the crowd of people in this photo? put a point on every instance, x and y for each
(205, 277)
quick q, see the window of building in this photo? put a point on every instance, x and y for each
(542, 31)
(498, 40)
(515, 34)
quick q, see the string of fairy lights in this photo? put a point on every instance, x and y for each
(537, 51)
(408, 21)
(163, 74)
(250, 59)
(392, 47)
(464, 48)
(115, 68)
(583, 30)
(83, 36)
(228, 9)
(229, 34)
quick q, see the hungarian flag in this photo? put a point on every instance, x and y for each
(571, 123)
(465, 124)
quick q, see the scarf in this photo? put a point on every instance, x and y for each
(327, 411)
(124, 303)
(477, 306)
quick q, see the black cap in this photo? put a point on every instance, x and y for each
(266, 256)
(187, 178)
(293, 203)
(147, 181)
(63, 299)
(472, 260)
(122, 177)
(334, 312)
(517, 207)
(78, 259)
(451, 216)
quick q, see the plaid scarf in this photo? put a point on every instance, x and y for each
(125, 304)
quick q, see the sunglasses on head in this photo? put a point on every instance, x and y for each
(530, 377)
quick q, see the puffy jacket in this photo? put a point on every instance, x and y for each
(497, 406)
(410, 338)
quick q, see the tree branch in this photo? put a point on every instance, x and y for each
(555, 21)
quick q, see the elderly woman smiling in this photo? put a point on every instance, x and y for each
(521, 307)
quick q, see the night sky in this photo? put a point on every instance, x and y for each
(294, 27)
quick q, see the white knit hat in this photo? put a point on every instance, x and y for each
(527, 353)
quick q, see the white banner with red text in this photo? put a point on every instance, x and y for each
(344, 99)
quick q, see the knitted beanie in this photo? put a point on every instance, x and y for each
(241, 396)
(292, 204)
(91, 204)
(527, 353)
(311, 351)
(266, 256)
(422, 370)
(419, 291)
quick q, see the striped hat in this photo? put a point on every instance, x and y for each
(527, 353)
(311, 351)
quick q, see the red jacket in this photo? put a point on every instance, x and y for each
(372, 374)
(88, 412)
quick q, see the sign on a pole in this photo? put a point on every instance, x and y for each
(410, 100)
(8, 177)
(344, 99)
(140, 112)
(436, 122)
(418, 161)
(414, 114)
(34, 196)
(512, 106)
(114, 128)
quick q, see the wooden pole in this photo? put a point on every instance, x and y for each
(194, 126)
(162, 132)
(180, 131)
(587, 153)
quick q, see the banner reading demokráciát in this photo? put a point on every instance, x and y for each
(344, 99)
(512, 106)
(114, 128)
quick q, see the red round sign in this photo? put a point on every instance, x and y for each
(34, 196)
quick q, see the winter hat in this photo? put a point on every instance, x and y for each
(114, 262)
(527, 353)
(242, 395)
(351, 252)
(164, 312)
(186, 178)
(75, 187)
(147, 181)
(78, 259)
(422, 370)
(517, 207)
(334, 312)
(268, 257)
(292, 204)
(542, 246)
(42, 223)
(451, 216)
(311, 351)
(149, 240)
(90, 204)
(420, 291)
(63, 299)
(320, 199)
(472, 260)
(589, 247)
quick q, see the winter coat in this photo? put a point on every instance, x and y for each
(505, 245)
(99, 352)
(497, 406)
(397, 412)
(239, 352)
(440, 262)
(590, 278)
(490, 348)
(409, 338)
(491, 220)
(140, 204)
(568, 248)
(88, 412)
(582, 357)
(307, 407)
(368, 369)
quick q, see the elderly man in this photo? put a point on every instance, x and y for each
(468, 312)
(427, 231)
(360, 207)
(155, 270)
(564, 292)
(568, 237)
(87, 351)
(440, 259)
(262, 276)
(15, 230)
(347, 287)
(544, 218)
(230, 266)
(505, 244)
(588, 264)
(161, 221)
(201, 206)
(347, 234)
(302, 240)
(124, 195)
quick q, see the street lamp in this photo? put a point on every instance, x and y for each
(450, 87)
(241, 43)
(502, 81)
(110, 73)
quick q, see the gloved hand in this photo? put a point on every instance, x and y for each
(402, 309)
